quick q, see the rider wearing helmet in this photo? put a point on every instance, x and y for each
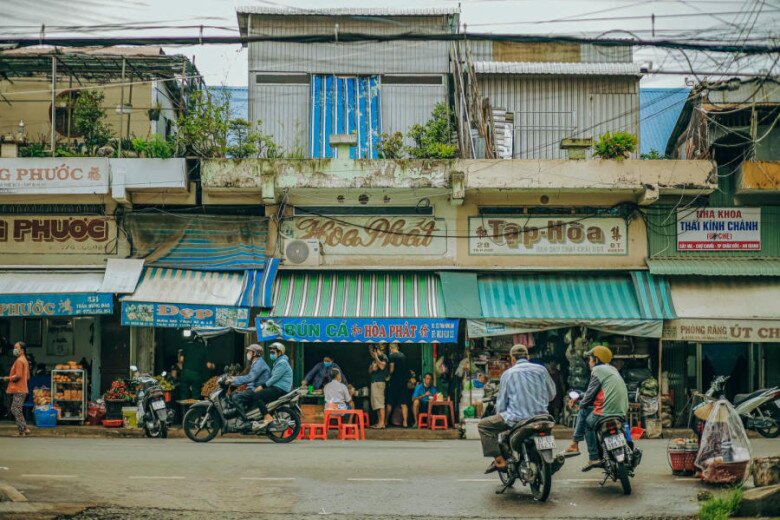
(606, 393)
(256, 379)
(278, 384)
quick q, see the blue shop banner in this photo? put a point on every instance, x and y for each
(183, 315)
(359, 330)
(56, 304)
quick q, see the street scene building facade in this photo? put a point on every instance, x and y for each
(520, 234)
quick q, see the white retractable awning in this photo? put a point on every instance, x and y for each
(58, 282)
(160, 285)
(122, 275)
(726, 299)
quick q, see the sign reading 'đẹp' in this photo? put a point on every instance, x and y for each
(547, 236)
(52, 234)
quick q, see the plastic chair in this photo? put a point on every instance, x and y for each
(329, 418)
(317, 431)
(304, 431)
(438, 422)
(422, 421)
(349, 431)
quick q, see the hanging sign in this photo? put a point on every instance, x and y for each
(183, 315)
(54, 175)
(547, 236)
(407, 235)
(49, 234)
(719, 229)
(359, 330)
(729, 331)
(56, 304)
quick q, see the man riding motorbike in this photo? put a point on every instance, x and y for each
(525, 390)
(256, 379)
(606, 393)
(279, 384)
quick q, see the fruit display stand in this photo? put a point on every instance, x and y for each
(69, 390)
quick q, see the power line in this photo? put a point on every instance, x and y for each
(752, 49)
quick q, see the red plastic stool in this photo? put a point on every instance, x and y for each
(304, 431)
(438, 422)
(349, 432)
(317, 431)
(329, 422)
(422, 420)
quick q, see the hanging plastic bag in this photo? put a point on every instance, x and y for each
(724, 452)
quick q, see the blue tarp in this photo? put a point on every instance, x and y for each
(345, 105)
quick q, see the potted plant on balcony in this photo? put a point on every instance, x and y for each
(616, 145)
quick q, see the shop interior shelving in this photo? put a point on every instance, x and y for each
(69, 391)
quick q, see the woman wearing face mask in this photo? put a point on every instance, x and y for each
(17, 387)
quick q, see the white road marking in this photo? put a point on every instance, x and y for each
(580, 480)
(4, 468)
(375, 479)
(154, 477)
(268, 478)
(687, 478)
(494, 481)
(39, 475)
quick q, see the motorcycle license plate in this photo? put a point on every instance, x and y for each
(545, 443)
(614, 442)
(158, 405)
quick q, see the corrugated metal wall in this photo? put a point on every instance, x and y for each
(274, 25)
(548, 109)
(662, 235)
(284, 111)
(345, 105)
(351, 58)
(405, 105)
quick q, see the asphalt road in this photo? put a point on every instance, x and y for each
(372, 479)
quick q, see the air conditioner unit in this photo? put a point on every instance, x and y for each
(302, 252)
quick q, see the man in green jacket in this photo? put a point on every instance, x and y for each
(608, 395)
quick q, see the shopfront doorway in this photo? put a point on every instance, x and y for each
(727, 359)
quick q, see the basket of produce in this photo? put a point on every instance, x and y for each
(167, 387)
(681, 453)
(116, 397)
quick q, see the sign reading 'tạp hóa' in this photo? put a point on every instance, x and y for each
(719, 229)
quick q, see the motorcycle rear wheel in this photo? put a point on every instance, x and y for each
(540, 487)
(191, 424)
(622, 475)
(292, 419)
(774, 430)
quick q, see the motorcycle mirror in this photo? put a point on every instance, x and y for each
(574, 395)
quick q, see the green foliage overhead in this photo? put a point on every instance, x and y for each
(156, 147)
(615, 146)
(89, 120)
(207, 130)
(436, 138)
(391, 146)
(652, 155)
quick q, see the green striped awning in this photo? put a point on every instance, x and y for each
(358, 295)
(580, 297)
(714, 266)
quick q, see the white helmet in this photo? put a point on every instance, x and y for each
(277, 346)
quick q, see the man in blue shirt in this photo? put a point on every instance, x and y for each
(423, 393)
(525, 391)
(319, 376)
(255, 380)
(279, 384)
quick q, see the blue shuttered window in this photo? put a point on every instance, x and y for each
(345, 105)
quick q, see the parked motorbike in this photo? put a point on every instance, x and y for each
(528, 449)
(153, 414)
(219, 414)
(760, 410)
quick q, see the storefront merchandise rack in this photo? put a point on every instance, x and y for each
(68, 392)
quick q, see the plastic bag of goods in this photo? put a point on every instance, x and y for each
(724, 451)
(96, 412)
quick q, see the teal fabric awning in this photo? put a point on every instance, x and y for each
(627, 303)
